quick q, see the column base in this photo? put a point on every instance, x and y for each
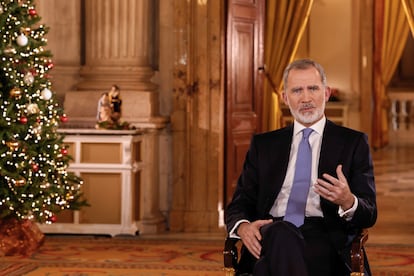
(152, 226)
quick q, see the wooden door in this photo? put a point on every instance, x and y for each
(244, 55)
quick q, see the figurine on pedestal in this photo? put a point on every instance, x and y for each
(116, 102)
(109, 110)
(104, 109)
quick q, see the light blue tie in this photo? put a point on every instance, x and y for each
(295, 210)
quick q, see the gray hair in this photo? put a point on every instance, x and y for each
(302, 64)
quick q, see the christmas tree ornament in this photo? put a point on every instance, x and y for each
(32, 12)
(19, 182)
(64, 151)
(35, 167)
(45, 185)
(64, 118)
(22, 40)
(53, 219)
(25, 30)
(69, 196)
(16, 93)
(46, 94)
(23, 120)
(13, 145)
(37, 129)
(9, 50)
(32, 108)
(50, 64)
(28, 78)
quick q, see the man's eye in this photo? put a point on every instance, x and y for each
(314, 88)
(296, 90)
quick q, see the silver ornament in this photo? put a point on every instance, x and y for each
(22, 40)
(46, 94)
(32, 108)
(28, 78)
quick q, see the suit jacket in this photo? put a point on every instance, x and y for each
(265, 168)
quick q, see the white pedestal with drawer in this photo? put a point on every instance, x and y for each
(118, 184)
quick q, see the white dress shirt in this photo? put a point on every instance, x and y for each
(313, 208)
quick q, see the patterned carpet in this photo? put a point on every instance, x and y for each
(391, 260)
(85, 256)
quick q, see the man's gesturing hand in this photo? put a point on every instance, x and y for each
(335, 189)
(250, 235)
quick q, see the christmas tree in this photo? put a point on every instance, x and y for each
(34, 182)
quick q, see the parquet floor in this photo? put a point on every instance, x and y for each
(394, 173)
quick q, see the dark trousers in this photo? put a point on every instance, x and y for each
(291, 251)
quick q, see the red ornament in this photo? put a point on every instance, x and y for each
(64, 118)
(53, 219)
(23, 120)
(34, 72)
(50, 65)
(64, 151)
(32, 12)
(35, 167)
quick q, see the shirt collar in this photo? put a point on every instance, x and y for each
(317, 127)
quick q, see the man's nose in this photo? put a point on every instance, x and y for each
(307, 95)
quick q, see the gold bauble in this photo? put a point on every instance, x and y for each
(16, 93)
(19, 182)
(13, 145)
(9, 50)
(25, 30)
(37, 129)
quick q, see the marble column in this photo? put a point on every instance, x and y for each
(118, 42)
(118, 45)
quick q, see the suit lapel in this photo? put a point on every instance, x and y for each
(279, 158)
(331, 148)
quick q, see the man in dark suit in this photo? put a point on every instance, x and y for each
(340, 197)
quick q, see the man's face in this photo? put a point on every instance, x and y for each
(305, 95)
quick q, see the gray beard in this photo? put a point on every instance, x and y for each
(308, 117)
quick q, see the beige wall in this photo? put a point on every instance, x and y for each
(64, 40)
(332, 38)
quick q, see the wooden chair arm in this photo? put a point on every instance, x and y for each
(231, 256)
(357, 253)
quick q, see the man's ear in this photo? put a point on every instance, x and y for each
(327, 93)
(284, 98)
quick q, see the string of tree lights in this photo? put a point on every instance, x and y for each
(34, 181)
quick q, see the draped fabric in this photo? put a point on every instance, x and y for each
(285, 23)
(391, 32)
(408, 6)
